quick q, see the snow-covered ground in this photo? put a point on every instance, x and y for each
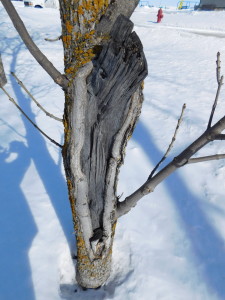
(172, 245)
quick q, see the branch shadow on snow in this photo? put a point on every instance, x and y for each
(18, 228)
(48, 171)
(206, 244)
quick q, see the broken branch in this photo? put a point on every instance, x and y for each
(53, 40)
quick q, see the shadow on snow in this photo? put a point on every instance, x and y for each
(18, 228)
(206, 243)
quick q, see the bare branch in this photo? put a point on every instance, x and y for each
(215, 102)
(3, 79)
(32, 97)
(220, 83)
(205, 158)
(171, 144)
(20, 109)
(54, 40)
(32, 47)
(212, 133)
(218, 62)
(179, 161)
(116, 158)
(220, 137)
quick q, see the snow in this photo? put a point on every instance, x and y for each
(171, 246)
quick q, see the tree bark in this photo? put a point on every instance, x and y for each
(103, 103)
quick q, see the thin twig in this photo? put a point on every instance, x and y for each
(215, 102)
(181, 160)
(212, 133)
(20, 109)
(171, 144)
(218, 68)
(32, 97)
(53, 40)
(3, 79)
(220, 83)
(205, 158)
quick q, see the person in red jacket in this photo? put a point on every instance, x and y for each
(159, 15)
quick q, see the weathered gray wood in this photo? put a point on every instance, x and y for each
(3, 79)
(100, 115)
(117, 73)
(116, 8)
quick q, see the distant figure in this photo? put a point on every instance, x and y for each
(159, 15)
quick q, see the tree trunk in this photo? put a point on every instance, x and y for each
(105, 67)
(102, 106)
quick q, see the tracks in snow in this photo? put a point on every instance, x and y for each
(204, 32)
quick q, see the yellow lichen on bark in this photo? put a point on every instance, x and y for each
(79, 36)
(66, 40)
(69, 26)
(72, 200)
(94, 271)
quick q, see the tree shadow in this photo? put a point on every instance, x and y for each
(206, 243)
(48, 171)
(17, 226)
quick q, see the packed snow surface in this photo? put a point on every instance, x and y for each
(172, 245)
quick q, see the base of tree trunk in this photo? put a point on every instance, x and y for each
(92, 274)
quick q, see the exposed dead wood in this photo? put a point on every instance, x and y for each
(98, 125)
(115, 8)
(117, 73)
